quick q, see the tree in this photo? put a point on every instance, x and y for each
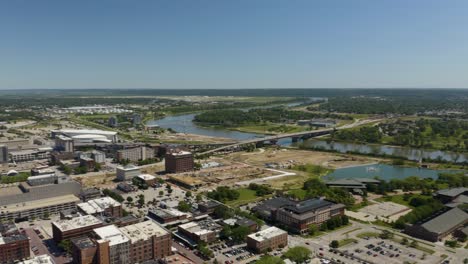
(161, 193)
(414, 244)
(183, 206)
(188, 194)
(404, 241)
(298, 254)
(313, 229)
(65, 245)
(141, 200)
(240, 233)
(129, 199)
(334, 244)
(268, 259)
(199, 197)
(386, 234)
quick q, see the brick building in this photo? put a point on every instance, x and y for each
(101, 206)
(14, 245)
(75, 227)
(180, 161)
(268, 239)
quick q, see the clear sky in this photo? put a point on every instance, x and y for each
(233, 44)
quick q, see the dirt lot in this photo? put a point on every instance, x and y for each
(297, 157)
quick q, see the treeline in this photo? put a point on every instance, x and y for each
(235, 117)
(316, 188)
(394, 104)
(363, 134)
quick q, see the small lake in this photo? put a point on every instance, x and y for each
(409, 153)
(383, 171)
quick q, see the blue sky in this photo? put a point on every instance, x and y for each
(233, 44)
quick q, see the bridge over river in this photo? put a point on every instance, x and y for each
(294, 136)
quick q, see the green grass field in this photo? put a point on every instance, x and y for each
(245, 196)
(399, 199)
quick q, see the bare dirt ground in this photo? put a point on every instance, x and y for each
(297, 157)
(193, 138)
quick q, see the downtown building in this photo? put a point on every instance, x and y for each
(179, 161)
(14, 245)
(268, 239)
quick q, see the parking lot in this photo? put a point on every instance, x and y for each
(41, 247)
(375, 250)
(234, 254)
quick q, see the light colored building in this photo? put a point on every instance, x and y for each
(118, 244)
(41, 259)
(268, 239)
(16, 143)
(101, 206)
(127, 173)
(147, 178)
(135, 154)
(38, 208)
(42, 179)
(87, 135)
(30, 154)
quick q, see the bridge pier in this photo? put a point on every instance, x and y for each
(295, 139)
(273, 141)
(259, 144)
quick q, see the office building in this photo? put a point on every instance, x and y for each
(136, 153)
(204, 231)
(4, 157)
(167, 216)
(16, 143)
(127, 173)
(299, 215)
(90, 194)
(101, 206)
(136, 119)
(14, 245)
(450, 195)
(75, 227)
(179, 161)
(113, 122)
(30, 154)
(146, 178)
(209, 206)
(116, 243)
(148, 240)
(42, 179)
(268, 239)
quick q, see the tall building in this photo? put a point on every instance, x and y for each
(148, 240)
(180, 161)
(116, 244)
(4, 154)
(14, 245)
(135, 154)
(136, 119)
(268, 239)
(113, 122)
(64, 143)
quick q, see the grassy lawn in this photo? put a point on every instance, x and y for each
(368, 234)
(399, 199)
(358, 206)
(418, 246)
(346, 241)
(270, 128)
(299, 193)
(245, 196)
(352, 230)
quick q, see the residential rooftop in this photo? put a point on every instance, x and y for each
(267, 234)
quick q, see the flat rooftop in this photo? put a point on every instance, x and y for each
(143, 231)
(200, 228)
(98, 205)
(180, 153)
(146, 177)
(86, 131)
(77, 222)
(18, 207)
(267, 234)
(41, 259)
(112, 234)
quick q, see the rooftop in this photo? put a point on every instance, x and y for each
(308, 205)
(98, 205)
(267, 234)
(41, 259)
(453, 191)
(82, 242)
(23, 206)
(78, 222)
(180, 153)
(143, 231)
(146, 177)
(128, 167)
(86, 131)
(112, 234)
(201, 228)
(446, 221)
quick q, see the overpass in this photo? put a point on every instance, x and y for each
(294, 136)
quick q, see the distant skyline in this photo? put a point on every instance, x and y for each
(219, 44)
